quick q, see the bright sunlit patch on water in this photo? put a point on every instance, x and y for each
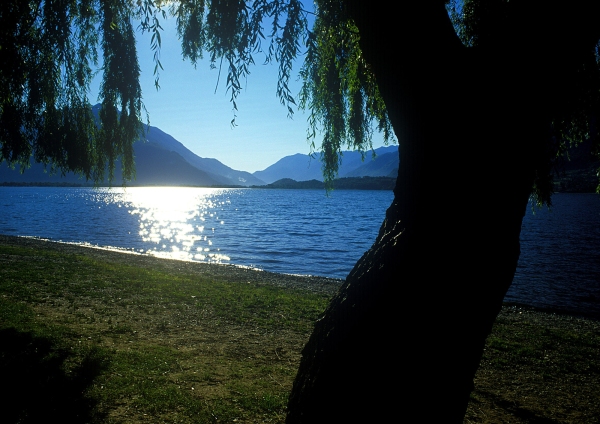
(172, 220)
(289, 231)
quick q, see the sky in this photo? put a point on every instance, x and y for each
(187, 107)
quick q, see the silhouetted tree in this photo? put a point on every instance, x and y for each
(480, 117)
(483, 96)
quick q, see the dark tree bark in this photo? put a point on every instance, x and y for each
(405, 334)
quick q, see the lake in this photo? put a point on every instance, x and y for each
(297, 232)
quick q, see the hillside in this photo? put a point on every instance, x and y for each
(160, 160)
(301, 167)
(349, 183)
(384, 165)
(216, 170)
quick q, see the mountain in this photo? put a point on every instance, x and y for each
(215, 169)
(301, 167)
(154, 166)
(385, 165)
(159, 160)
(297, 167)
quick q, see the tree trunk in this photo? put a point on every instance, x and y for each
(406, 331)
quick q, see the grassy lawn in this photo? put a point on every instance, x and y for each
(90, 336)
(538, 368)
(92, 341)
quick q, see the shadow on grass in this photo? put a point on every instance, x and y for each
(525, 414)
(37, 389)
(511, 409)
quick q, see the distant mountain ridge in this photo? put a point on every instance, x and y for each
(300, 167)
(346, 183)
(159, 160)
(162, 160)
(216, 170)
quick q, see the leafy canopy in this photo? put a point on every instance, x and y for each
(50, 50)
(49, 53)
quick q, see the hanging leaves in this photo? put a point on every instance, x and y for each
(339, 89)
(48, 50)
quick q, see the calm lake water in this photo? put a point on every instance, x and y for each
(297, 232)
(289, 231)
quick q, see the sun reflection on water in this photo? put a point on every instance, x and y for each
(177, 223)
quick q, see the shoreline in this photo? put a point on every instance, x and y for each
(535, 364)
(232, 272)
(229, 272)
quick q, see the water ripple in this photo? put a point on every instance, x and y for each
(297, 232)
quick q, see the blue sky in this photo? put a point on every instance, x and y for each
(188, 108)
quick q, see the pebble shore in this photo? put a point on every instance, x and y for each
(233, 273)
(226, 272)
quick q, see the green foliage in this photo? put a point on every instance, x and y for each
(233, 32)
(49, 52)
(120, 87)
(339, 88)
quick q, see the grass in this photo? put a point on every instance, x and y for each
(92, 337)
(538, 368)
(131, 344)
